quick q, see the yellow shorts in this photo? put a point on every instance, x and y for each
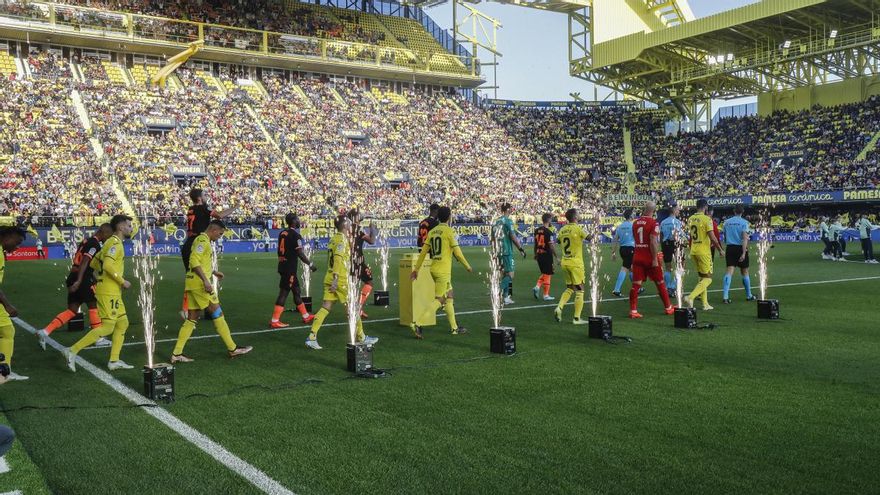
(199, 299)
(5, 320)
(442, 283)
(110, 308)
(574, 274)
(703, 263)
(341, 293)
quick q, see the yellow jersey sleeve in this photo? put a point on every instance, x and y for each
(201, 254)
(110, 263)
(339, 257)
(2, 265)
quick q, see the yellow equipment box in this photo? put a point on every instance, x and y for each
(415, 297)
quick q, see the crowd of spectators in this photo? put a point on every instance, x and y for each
(317, 146)
(45, 156)
(584, 145)
(391, 159)
(811, 150)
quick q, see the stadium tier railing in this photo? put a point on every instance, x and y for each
(128, 26)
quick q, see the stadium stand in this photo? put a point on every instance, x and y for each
(44, 148)
(804, 151)
(281, 142)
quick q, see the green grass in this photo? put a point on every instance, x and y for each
(782, 407)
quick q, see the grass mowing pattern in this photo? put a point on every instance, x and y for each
(788, 406)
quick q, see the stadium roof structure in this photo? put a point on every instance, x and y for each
(656, 50)
(763, 47)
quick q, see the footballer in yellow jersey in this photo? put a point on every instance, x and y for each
(571, 242)
(336, 284)
(702, 236)
(201, 295)
(109, 266)
(442, 246)
(10, 239)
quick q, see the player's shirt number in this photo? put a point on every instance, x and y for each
(566, 246)
(436, 247)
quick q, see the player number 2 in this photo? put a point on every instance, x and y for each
(566, 246)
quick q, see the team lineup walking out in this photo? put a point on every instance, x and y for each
(290, 253)
(109, 263)
(201, 289)
(336, 286)
(647, 260)
(80, 284)
(571, 239)
(441, 245)
(545, 255)
(648, 249)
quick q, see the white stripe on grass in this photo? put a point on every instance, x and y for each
(4, 467)
(481, 311)
(253, 475)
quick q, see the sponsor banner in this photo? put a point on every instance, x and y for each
(787, 154)
(23, 253)
(187, 170)
(628, 200)
(257, 239)
(789, 198)
(558, 104)
(159, 122)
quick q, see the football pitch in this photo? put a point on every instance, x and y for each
(787, 406)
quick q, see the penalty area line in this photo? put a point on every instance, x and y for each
(482, 311)
(235, 464)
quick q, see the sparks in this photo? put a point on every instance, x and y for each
(306, 270)
(384, 256)
(495, 271)
(678, 261)
(353, 308)
(594, 230)
(146, 264)
(763, 250)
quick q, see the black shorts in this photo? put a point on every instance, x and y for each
(366, 274)
(545, 263)
(85, 294)
(186, 251)
(626, 256)
(668, 248)
(732, 253)
(288, 280)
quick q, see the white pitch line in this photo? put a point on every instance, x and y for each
(16, 492)
(4, 466)
(480, 311)
(256, 477)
